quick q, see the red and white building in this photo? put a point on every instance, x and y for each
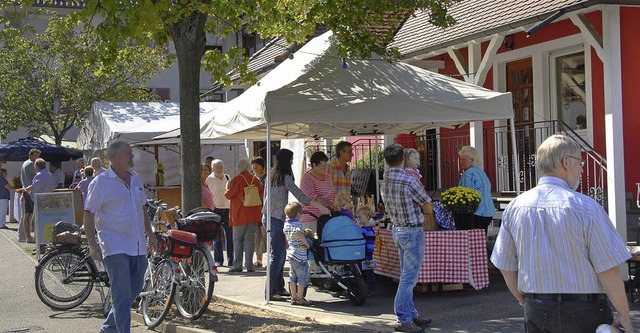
(571, 66)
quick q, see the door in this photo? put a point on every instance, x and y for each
(520, 84)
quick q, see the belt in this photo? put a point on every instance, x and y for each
(408, 225)
(567, 297)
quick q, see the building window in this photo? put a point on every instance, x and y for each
(571, 90)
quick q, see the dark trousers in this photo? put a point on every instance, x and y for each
(565, 316)
(369, 275)
(218, 255)
(481, 222)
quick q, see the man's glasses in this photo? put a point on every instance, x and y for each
(577, 158)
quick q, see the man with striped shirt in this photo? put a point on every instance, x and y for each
(559, 252)
(340, 172)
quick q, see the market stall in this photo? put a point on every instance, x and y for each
(318, 94)
(449, 257)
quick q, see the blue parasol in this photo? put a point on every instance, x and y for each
(19, 151)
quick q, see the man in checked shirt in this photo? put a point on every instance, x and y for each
(559, 252)
(407, 203)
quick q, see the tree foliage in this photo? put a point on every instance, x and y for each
(362, 28)
(48, 80)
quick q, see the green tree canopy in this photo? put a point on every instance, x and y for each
(362, 28)
(48, 80)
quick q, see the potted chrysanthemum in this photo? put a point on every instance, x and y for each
(462, 202)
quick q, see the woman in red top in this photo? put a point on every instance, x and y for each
(244, 220)
(318, 185)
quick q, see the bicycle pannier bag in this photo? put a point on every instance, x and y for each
(251, 195)
(205, 224)
(178, 243)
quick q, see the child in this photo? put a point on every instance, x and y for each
(297, 253)
(411, 163)
(366, 224)
(343, 201)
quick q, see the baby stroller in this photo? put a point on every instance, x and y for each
(337, 254)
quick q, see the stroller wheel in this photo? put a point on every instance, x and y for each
(357, 291)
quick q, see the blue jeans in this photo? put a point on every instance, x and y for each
(278, 256)
(126, 275)
(410, 243)
(218, 253)
(299, 273)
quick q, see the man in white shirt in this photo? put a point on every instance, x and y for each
(218, 182)
(559, 252)
(115, 224)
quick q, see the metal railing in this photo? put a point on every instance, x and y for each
(440, 165)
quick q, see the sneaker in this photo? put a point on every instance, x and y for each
(250, 270)
(277, 298)
(257, 263)
(235, 270)
(284, 293)
(422, 322)
(408, 327)
(218, 264)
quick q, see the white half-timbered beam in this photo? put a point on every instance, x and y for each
(460, 62)
(487, 59)
(589, 32)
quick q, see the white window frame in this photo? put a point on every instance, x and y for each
(552, 92)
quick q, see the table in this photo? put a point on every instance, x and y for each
(449, 257)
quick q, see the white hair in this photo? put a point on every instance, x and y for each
(471, 153)
(551, 152)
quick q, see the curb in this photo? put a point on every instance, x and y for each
(169, 327)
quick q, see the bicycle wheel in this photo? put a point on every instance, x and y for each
(63, 279)
(157, 294)
(196, 285)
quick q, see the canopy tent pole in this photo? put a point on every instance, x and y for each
(267, 193)
(377, 170)
(516, 163)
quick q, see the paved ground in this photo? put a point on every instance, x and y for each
(488, 310)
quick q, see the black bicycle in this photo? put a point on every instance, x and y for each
(65, 276)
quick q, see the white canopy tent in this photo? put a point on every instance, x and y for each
(318, 94)
(137, 123)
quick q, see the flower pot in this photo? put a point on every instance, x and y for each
(463, 221)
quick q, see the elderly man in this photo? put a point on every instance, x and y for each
(96, 164)
(339, 169)
(27, 172)
(43, 182)
(559, 252)
(114, 209)
(406, 202)
(218, 183)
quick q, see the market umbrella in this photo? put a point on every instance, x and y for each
(19, 151)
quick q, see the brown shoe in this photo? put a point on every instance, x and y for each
(422, 322)
(408, 327)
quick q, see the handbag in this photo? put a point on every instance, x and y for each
(251, 195)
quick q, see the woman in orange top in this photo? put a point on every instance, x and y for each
(244, 220)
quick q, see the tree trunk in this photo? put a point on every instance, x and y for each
(189, 39)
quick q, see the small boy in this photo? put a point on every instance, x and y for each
(296, 253)
(343, 201)
(366, 223)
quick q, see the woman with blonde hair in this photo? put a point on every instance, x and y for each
(475, 178)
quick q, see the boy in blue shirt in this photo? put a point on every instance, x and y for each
(296, 253)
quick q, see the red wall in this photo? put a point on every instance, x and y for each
(630, 26)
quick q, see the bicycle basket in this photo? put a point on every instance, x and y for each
(178, 243)
(205, 224)
(65, 233)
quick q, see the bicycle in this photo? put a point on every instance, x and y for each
(66, 275)
(186, 280)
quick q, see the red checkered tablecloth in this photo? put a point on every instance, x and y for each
(449, 257)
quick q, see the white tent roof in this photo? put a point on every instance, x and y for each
(132, 122)
(313, 95)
